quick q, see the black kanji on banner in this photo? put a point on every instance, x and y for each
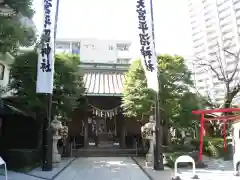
(47, 6)
(144, 36)
(46, 48)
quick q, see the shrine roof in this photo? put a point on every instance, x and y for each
(104, 83)
(104, 79)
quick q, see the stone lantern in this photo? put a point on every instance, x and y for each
(147, 133)
(56, 126)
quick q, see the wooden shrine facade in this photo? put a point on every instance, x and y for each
(104, 124)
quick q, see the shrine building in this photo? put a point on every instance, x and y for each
(103, 67)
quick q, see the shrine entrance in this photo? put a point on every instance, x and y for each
(225, 118)
(102, 128)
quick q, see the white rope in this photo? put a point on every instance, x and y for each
(102, 112)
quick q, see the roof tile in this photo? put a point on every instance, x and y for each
(104, 83)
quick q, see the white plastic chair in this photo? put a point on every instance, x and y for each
(2, 162)
(185, 159)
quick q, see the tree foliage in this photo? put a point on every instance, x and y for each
(176, 98)
(137, 99)
(25, 7)
(68, 85)
(13, 32)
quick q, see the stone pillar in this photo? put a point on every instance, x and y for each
(149, 155)
(85, 132)
(56, 126)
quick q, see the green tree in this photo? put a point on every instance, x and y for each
(68, 84)
(137, 99)
(176, 98)
(13, 32)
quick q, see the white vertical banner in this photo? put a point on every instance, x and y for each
(45, 67)
(147, 49)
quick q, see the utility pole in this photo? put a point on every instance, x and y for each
(158, 132)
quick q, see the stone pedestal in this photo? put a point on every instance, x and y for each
(56, 126)
(149, 155)
(56, 155)
(147, 132)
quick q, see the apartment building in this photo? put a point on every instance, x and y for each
(215, 26)
(96, 51)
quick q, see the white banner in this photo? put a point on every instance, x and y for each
(45, 68)
(147, 49)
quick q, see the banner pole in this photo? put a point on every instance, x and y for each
(47, 133)
(158, 151)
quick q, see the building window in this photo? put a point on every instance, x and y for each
(89, 46)
(123, 61)
(110, 48)
(2, 69)
(63, 47)
(122, 47)
(76, 48)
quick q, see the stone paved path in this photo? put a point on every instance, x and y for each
(217, 170)
(103, 168)
(218, 164)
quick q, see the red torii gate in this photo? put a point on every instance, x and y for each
(222, 117)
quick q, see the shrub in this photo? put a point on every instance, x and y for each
(211, 150)
(22, 159)
(181, 148)
(211, 146)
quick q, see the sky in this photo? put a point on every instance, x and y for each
(117, 20)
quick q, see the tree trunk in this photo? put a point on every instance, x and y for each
(39, 120)
(123, 134)
(228, 97)
(165, 135)
(85, 132)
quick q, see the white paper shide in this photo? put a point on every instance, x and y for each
(45, 68)
(147, 49)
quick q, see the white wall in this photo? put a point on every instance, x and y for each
(96, 50)
(101, 51)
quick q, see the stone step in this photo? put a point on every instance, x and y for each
(104, 152)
